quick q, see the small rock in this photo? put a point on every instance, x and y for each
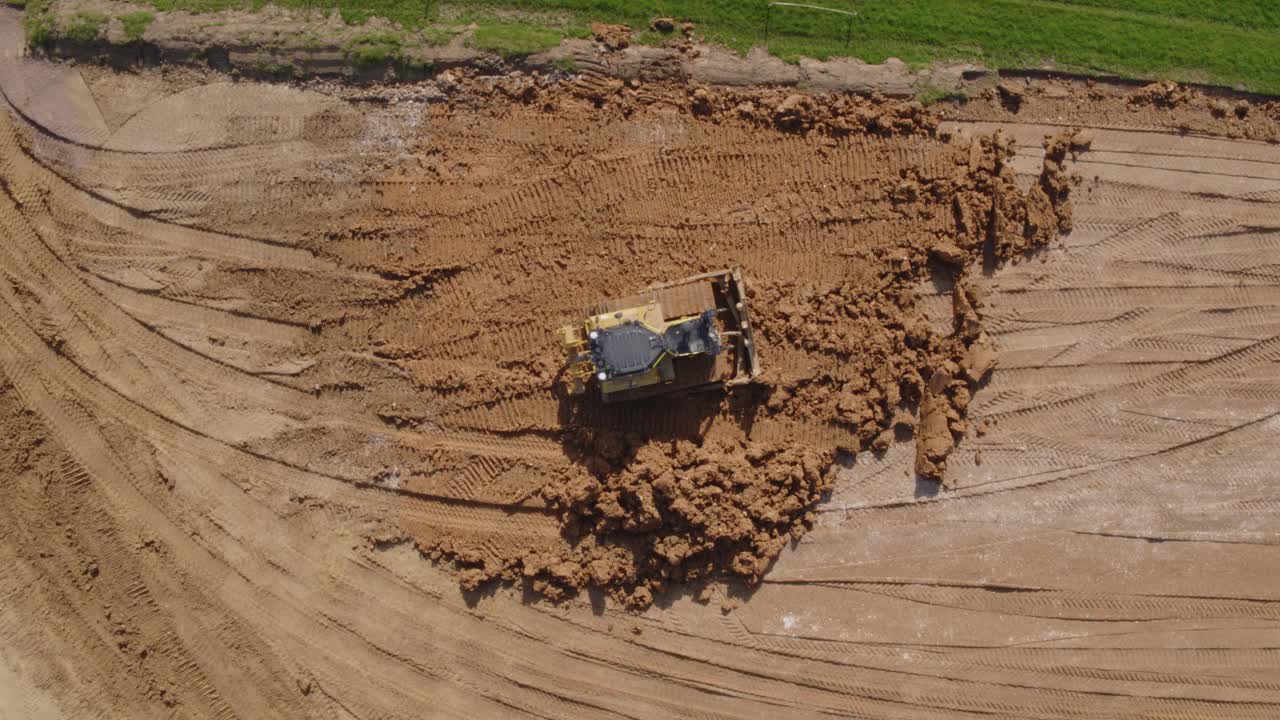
(1081, 139)
(663, 24)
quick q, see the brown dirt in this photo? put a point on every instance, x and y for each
(251, 362)
(1163, 105)
(644, 504)
(611, 37)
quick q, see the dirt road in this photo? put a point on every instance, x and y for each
(261, 344)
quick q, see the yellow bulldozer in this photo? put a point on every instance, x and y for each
(675, 337)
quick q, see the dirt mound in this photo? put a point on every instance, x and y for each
(852, 356)
(1162, 104)
(839, 115)
(1165, 94)
(664, 24)
(833, 115)
(641, 516)
(520, 202)
(880, 329)
(611, 37)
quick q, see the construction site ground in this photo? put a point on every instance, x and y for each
(283, 434)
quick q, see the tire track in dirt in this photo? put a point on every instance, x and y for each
(308, 575)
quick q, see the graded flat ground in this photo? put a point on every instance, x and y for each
(259, 344)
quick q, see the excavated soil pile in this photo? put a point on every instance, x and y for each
(642, 514)
(1159, 105)
(837, 207)
(611, 37)
(416, 309)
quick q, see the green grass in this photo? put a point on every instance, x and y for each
(375, 48)
(135, 24)
(274, 68)
(38, 22)
(514, 39)
(1231, 43)
(650, 37)
(409, 13)
(1225, 42)
(311, 41)
(1260, 14)
(383, 48)
(931, 93)
(439, 35)
(83, 26)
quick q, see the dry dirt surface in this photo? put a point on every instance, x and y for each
(278, 381)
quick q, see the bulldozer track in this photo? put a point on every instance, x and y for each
(233, 445)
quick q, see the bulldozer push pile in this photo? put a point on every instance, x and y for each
(606, 455)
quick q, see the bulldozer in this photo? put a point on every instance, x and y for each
(678, 337)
